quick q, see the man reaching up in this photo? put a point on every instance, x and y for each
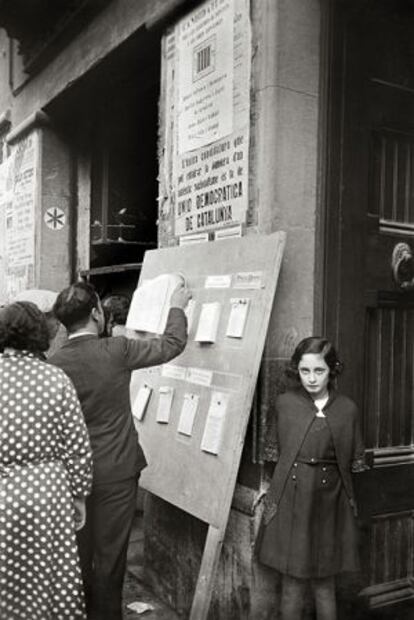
(100, 369)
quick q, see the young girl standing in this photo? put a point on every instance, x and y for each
(310, 530)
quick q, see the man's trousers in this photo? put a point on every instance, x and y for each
(103, 545)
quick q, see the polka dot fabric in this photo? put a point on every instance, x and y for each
(45, 459)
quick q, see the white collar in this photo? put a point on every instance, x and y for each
(320, 404)
(84, 333)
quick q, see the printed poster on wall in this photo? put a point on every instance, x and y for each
(5, 198)
(207, 91)
(205, 75)
(17, 209)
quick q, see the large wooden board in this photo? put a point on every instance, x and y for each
(179, 471)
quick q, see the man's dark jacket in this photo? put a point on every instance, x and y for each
(100, 369)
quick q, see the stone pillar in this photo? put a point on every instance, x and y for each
(286, 91)
(54, 255)
(283, 196)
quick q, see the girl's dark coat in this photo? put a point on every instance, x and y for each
(295, 412)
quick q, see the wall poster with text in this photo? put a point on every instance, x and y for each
(17, 218)
(207, 58)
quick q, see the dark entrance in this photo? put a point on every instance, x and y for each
(368, 311)
(109, 117)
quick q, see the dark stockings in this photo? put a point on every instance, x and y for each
(293, 596)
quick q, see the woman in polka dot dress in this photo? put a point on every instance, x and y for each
(45, 474)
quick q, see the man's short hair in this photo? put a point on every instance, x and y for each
(74, 305)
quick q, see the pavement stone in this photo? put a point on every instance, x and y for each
(135, 589)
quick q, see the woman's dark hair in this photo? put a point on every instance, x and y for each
(117, 306)
(23, 326)
(318, 346)
(74, 305)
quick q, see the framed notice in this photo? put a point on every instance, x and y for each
(206, 84)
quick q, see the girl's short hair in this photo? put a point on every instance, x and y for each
(24, 327)
(318, 346)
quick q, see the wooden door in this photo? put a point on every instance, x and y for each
(369, 210)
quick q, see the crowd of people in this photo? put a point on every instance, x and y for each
(70, 460)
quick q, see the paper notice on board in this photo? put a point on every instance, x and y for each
(141, 401)
(237, 319)
(165, 398)
(213, 430)
(248, 280)
(188, 413)
(174, 372)
(151, 303)
(208, 322)
(189, 313)
(222, 281)
(200, 376)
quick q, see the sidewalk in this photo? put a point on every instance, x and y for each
(135, 590)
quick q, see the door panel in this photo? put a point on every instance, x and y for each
(370, 210)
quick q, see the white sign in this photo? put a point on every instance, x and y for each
(150, 304)
(174, 372)
(200, 376)
(205, 75)
(204, 170)
(214, 428)
(6, 196)
(165, 398)
(220, 281)
(237, 318)
(55, 218)
(140, 403)
(188, 414)
(17, 212)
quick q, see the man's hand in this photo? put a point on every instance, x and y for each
(80, 512)
(180, 297)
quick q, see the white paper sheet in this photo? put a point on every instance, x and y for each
(174, 372)
(208, 322)
(201, 376)
(248, 280)
(188, 413)
(213, 430)
(237, 318)
(189, 313)
(141, 401)
(151, 303)
(221, 281)
(165, 398)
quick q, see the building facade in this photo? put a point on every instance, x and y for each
(111, 143)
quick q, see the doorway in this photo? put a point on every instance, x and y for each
(109, 117)
(368, 309)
